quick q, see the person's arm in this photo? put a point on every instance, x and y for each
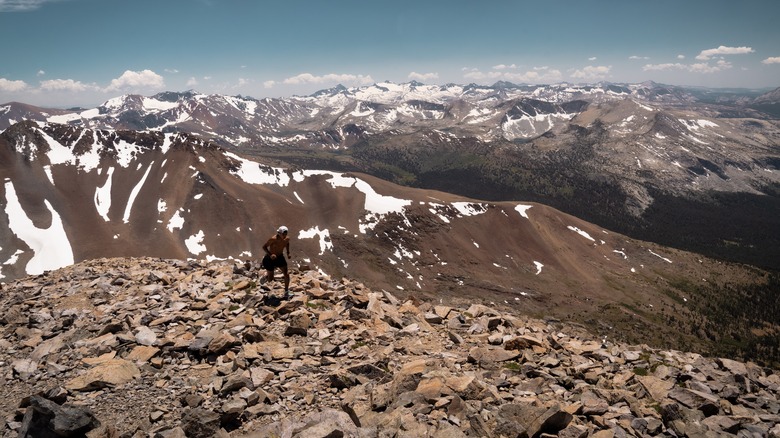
(287, 245)
(265, 247)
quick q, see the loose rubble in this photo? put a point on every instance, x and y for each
(165, 348)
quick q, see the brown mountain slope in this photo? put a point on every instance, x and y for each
(121, 193)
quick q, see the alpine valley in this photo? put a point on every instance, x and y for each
(646, 212)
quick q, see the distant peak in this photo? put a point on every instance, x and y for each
(338, 89)
(503, 84)
(174, 96)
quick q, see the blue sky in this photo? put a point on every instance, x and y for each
(61, 53)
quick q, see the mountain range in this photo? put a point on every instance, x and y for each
(634, 158)
(558, 201)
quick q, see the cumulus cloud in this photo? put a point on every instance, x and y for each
(705, 55)
(21, 5)
(537, 75)
(478, 75)
(700, 67)
(269, 84)
(772, 60)
(635, 57)
(704, 67)
(423, 77)
(504, 67)
(8, 85)
(592, 73)
(680, 56)
(67, 85)
(130, 80)
(191, 82)
(666, 66)
(308, 78)
(41, 73)
(592, 58)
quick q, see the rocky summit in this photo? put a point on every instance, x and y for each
(168, 348)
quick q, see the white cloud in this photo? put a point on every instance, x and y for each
(704, 67)
(269, 84)
(242, 82)
(680, 56)
(592, 58)
(308, 78)
(41, 73)
(772, 60)
(479, 76)
(66, 85)
(666, 66)
(171, 70)
(6, 85)
(537, 75)
(701, 67)
(546, 75)
(592, 73)
(423, 77)
(635, 57)
(21, 5)
(135, 80)
(504, 67)
(191, 82)
(705, 55)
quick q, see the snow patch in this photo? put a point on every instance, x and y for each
(51, 245)
(103, 196)
(523, 210)
(177, 221)
(194, 243)
(134, 194)
(660, 256)
(581, 233)
(324, 236)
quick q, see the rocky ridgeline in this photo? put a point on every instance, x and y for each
(163, 348)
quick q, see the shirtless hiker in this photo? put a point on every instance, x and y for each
(274, 257)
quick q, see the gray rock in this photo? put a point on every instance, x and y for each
(707, 403)
(46, 419)
(529, 420)
(396, 368)
(200, 423)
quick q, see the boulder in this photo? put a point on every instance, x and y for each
(46, 419)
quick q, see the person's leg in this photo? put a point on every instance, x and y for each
(286, 278)
(267, 264)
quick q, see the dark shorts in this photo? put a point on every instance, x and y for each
(279, 262)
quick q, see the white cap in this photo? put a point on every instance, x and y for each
(282, 230)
